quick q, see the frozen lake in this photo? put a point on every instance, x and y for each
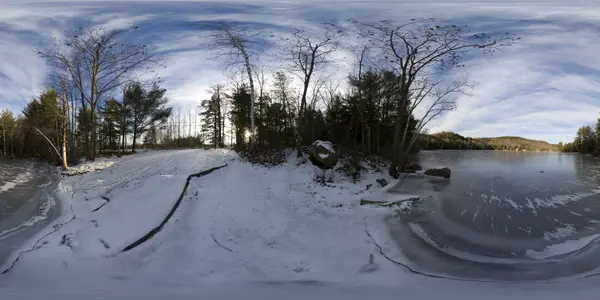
(26, 203)
(504, 215)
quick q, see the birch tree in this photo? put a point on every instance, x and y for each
(235, 44)
(308, 55)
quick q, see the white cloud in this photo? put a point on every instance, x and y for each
(544, 87)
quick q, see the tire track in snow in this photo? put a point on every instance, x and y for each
(157, 229)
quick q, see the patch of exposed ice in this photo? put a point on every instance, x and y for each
(562, 248)
(531, 206)
(562, 199)
(560, 233)
(476, 213)
(43, 214)
(513, 204)
(422, 234)
(19, 179)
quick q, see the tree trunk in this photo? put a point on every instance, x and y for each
(300, 123)
(86, 131)
(216, 123)
(3, 140)
(368, 140)
(49, 142)
(396, 151)
(134, 138)
(71, 127)
(251, 80)
(223, 126)
(65, 123)
(64, 149)
(92, 149)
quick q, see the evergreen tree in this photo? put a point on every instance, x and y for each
(8, 125)
(147, 108)
(240, 114)
(111, 116)
(151, 138)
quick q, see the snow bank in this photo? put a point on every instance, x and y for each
(90, 166)
(562, 248)
(248, 222)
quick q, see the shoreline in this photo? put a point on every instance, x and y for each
(34, 218)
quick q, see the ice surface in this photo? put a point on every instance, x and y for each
(19, 179)
(560, 233)
(562, 248)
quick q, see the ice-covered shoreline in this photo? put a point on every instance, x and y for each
(242, 225)
(145, 186)
(24, 174)
(31, 207)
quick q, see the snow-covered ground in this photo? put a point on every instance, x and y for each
(241, 231)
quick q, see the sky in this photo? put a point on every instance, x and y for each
(544, 87)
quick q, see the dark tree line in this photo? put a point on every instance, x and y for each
(453, 141)
(587, 140)
(397, 67)
(41, 128)
(77, 115)
(375, 115)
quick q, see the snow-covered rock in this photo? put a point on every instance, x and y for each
(322, 154)
(439, 172)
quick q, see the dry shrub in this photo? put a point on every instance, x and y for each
(267, 158)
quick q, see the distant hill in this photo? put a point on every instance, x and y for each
(451, 140)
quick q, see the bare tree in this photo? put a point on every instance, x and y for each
(417, 50)
(308, 55)
(61, 84)
(235, 44)
(436, 99)
(331, 89)
(97, 63)
(284, 92)
(260, 79)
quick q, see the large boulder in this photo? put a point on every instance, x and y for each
(439, 172)
(322, 154)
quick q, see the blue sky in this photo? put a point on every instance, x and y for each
(544, 87)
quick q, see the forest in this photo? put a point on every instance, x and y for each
(450, 140)
(587, 140)
(95, 102)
